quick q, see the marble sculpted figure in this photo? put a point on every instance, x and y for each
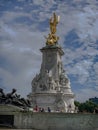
(51, 87)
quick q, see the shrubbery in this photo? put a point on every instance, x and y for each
(87, 106)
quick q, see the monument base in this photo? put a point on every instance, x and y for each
(47, 121)
(56, 101)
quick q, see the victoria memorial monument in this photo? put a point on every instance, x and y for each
(51, 87)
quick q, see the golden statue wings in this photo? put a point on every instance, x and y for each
(52, 38)
(53, 23)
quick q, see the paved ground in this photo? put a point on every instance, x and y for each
(15, 129)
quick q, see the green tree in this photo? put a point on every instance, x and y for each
(87, 106)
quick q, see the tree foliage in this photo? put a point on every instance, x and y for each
(87, 106)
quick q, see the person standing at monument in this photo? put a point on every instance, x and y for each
(36, 108)
(49, 110)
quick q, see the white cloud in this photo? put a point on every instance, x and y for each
(85, 94)
(81, 70)
(23, 57)
(86, 23)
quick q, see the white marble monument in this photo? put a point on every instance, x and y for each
(51, 87)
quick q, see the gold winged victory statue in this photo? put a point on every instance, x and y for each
(52, 39)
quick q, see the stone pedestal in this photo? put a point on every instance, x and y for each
(51, 87)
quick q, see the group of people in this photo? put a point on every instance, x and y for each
(39, 109)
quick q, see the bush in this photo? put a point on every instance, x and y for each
(87, 106)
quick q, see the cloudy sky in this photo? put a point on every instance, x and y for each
(23, 25)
